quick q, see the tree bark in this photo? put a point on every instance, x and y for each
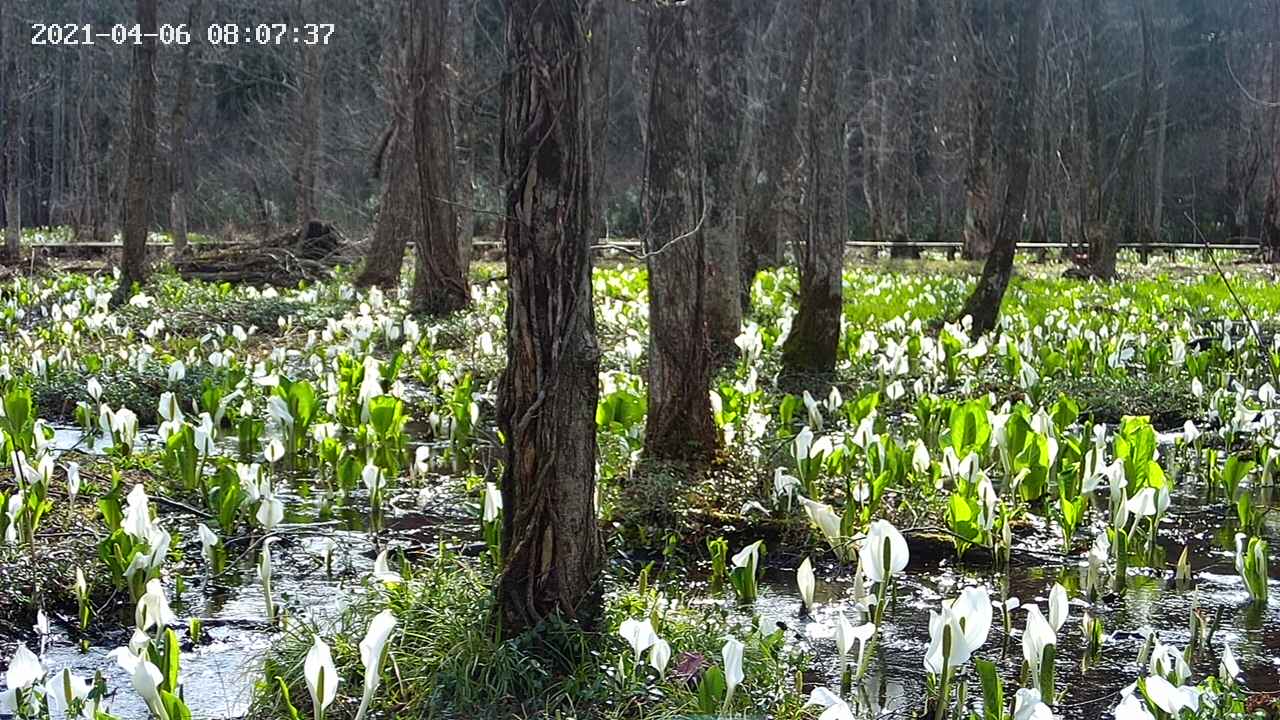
(1162, 141)
(440, 284)
(1271, 204)
(307, 166)
(180, 120)
(464, 61)
(551, 543)
(983, 305)
(722, 101)
(679, 425)
(810, 347)
(142, 141)
(399, 216)
(762, 239)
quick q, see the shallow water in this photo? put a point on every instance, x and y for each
(896, 678)
(218, 674)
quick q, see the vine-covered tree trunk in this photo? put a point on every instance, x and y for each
(723, 98)
(811, 345)
(440, 285)
(679, 425)
(983, 305)
(142, 142)
(551, 543)
(762, 239)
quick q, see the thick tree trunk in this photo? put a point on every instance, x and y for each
(180, 120)
(679, 424)
(978, 187)
(440, 285)
(762, 238)
(983, 305)
(142, 141)
(399, 216)
(722, 101)
(810, 347)
(551, 543)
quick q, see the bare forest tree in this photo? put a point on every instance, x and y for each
(399, 208)
(308, 125)
(179, 130)
(551, 545)
(440, 280)
(723, 96)
(773, 188)
(10, 137)
(983, 305)
(810, 347)
(134, 264)
(678, 424)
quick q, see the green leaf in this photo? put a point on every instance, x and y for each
(711, 691)
(284, 696)
(992, 690)
(174, 707)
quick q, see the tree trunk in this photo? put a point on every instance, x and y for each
(551, 542)
(1122, 215)
(11, 116)
(463, 62)
(983, 305)
(679, 424)
(722, 101)
(440, 285)
(1271, 204)
(978, 189)
(308, 123)
(810, 347)
(762, 239)
(1162, 141)
(142, 141)
(399, 216)
(180, 120)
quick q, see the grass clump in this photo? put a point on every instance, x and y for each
(57, 393)
(446, 660)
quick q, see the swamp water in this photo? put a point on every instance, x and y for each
(219, 673)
